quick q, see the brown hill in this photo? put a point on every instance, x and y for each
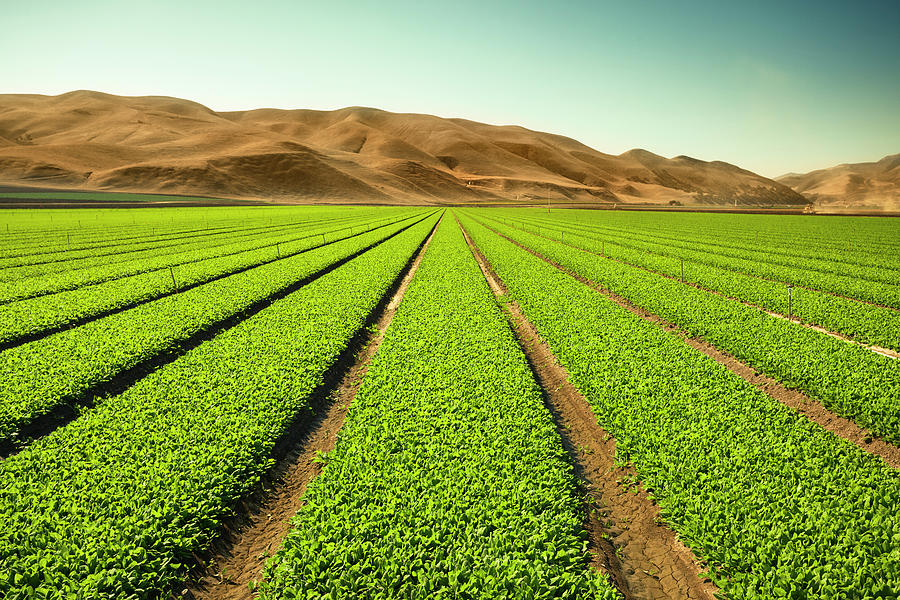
(94, 141)
(859, 185)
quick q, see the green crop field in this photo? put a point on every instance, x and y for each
(336, 402)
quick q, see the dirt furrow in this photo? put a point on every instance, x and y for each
(871, 347)
(627, 539)
(239, 555)
(811, 408)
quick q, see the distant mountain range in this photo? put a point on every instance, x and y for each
(872, 184)
(93, 141)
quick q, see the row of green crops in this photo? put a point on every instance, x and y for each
(24, 318)
(20, 288)
(448, 479)
(778, 248)
(43, 263)
(39, 246)
(871, 242)
(114, 504)
(757, 261)
(863, 322)
(24, 232)
(40, 375)
(778, 507)
(82, 256)
(848, 379)
(51, 263)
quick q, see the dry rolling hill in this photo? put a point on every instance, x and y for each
(94, 141)
(859, 185)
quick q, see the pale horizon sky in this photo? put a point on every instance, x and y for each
(770, 86)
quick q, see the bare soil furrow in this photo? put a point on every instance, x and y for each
(809, 407)
(239, 555)
(627, 538)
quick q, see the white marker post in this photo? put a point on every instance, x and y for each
(790, 290)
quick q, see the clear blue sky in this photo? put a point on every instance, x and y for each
(770, 86)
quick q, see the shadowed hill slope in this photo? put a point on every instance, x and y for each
(94, 141)
(872, 184)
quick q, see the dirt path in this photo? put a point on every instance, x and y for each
(871, 347)
(812, 409)
(626, 537)
(240, 555)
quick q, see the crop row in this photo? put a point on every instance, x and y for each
(20, 289)
(24, 318)
(448, 479)
(866, 265)
(778, 507)
(42, 245)
(83, 229)
(841, 281)
(36, 265)
(872, 242)
(846, 378)
(39, 376)
(75, 252)
(863, 322)
(115, 504)
(201, 241)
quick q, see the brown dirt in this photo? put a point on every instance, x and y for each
(240, 556)
(812, 409)
(627, 539)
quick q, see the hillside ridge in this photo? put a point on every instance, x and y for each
(96, 141)
(873, 184)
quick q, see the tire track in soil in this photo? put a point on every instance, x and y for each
(627, 538)
(238, 556)
(809, 407)
(871, 347)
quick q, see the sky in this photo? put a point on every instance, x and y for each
(770, 86)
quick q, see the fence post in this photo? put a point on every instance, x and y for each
(172, 273)
(790, 290)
